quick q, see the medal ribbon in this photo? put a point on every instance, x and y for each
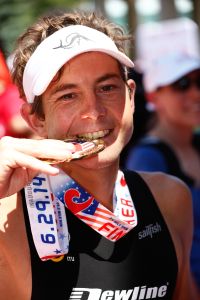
(46, 203)
(47, 219)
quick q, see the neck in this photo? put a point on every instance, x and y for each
(99, 183)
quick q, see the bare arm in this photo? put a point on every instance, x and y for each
(174, 200)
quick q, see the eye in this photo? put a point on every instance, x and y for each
(68, 96)
(108, 88)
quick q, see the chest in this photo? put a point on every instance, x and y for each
(141, 263)
(145, 254)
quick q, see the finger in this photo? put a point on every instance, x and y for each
(44, 148)
(16, 159)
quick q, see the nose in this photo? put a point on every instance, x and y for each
(92, 108)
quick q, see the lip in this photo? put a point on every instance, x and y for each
(93, 135)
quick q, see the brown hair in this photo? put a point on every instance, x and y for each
(47, 25)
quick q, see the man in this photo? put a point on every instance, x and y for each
(113, 241)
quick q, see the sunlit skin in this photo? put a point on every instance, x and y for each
(94, 101)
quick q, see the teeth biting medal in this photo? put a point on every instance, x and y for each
(84, 148)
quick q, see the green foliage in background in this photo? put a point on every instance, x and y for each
(16, 15)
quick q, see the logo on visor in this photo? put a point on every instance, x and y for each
(72, 40)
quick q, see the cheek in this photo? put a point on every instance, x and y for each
(58, 124)
(120, 113)
(123, 107)
(126, 119)
(128, 110)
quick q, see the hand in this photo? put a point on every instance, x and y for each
(20, 161)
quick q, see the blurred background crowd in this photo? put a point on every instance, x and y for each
(166, 52)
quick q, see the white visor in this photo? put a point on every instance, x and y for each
(59, 48)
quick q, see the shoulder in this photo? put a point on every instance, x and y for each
(175, 203)
(14, 251)
(7, 205)
(172, 196)
(11, 217)
(168, 181)
(8, 208)
(13, 241)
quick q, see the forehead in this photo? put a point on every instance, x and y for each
(88, 65)
(100, 60)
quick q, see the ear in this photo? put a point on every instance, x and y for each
(131, 92)
(36, 123)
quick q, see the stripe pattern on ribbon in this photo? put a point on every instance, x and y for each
(46, 198)
(112, 225)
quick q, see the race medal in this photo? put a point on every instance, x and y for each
(84, 148)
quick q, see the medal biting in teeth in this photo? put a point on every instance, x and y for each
(84, 148)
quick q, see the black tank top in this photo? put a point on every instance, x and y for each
(141, 265)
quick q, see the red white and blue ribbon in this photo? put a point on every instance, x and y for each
(47, 219)
(46, 198)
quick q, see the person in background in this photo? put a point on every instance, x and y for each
(172, 142)
(140, 113)
(82, 228)
(11, 121)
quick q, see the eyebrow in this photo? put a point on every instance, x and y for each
(65, 86)
(107, 76)
(62, 87)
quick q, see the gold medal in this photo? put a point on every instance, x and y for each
(85, 148)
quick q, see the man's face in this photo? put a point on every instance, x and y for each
(90, 99)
